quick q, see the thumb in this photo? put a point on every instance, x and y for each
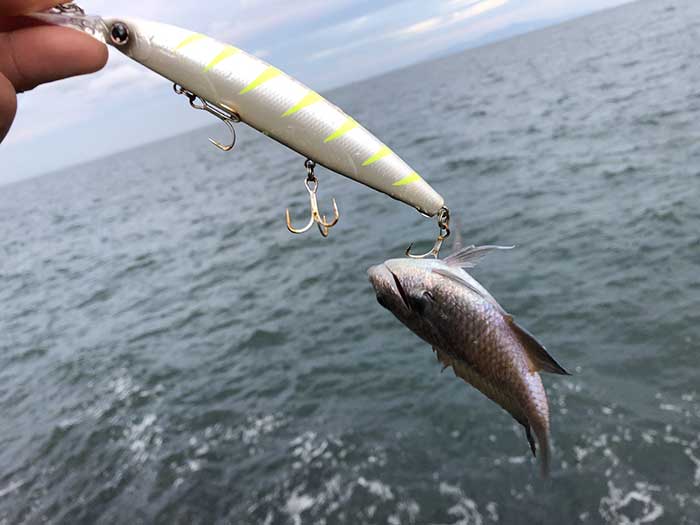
(24, 7)
(37, 55)
(8, 106)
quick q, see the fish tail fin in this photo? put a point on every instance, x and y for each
(531, 440)
(542, 434)
(542, 443)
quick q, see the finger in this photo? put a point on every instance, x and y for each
(8, 106)
(12, 23)
(37, 55)
(23, 7)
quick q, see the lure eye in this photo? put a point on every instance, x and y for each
(120, 34)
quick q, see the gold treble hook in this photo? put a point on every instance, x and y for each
(324, 226)
(229, 118)
(444, 225)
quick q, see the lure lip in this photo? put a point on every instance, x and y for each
(94, 26)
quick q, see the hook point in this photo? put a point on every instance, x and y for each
(444, 225)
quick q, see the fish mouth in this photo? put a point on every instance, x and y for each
(382, 278)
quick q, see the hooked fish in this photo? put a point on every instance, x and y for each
(236, 86)
(470, 332)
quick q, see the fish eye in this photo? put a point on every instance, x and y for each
(119, 34)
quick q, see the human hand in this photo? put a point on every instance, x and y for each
(32, 54)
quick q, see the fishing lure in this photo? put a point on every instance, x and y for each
(235, 86)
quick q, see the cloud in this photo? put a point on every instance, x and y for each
(421, 27)
(261, 18)
(458, 14)
(478, 9)
(474, 9)
(326, 42)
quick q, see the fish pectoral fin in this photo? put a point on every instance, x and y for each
(449, 275)
(537, 354)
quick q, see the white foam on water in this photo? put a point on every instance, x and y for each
(632, 508)
(202, 451)
(12, 487)
(492, 509)
(689, 452)
(465, 510)
(312, 453)
(630, 498)
(410, 508)
(144, 437)
(122, 386)
(649, 436)
(297, 504)
(258, 426)
(68, 423)
(307, 448)
(376, 488)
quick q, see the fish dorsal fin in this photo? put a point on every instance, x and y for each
(470, 256)
(539, 358)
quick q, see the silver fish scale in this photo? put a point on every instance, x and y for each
(475, 339)
(473, 335)
(477, 333)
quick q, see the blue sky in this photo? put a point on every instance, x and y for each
(324, 43)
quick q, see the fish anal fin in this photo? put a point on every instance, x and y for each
(537, 355)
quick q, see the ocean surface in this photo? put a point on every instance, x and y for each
(171, 354)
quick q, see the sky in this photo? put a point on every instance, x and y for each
(323, 43)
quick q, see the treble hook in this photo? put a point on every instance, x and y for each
(444, 225)
(311, 184)
(229, 118)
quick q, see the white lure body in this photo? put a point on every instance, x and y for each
(277, 105)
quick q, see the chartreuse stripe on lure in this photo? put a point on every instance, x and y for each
(272, 102)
